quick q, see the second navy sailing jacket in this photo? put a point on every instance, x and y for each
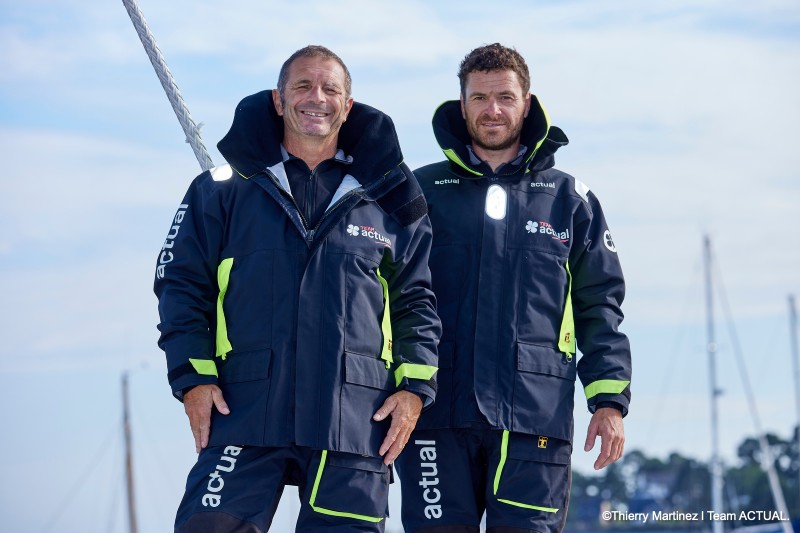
(523, 266)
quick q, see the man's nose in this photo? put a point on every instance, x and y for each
(317, 94)
(492, 107)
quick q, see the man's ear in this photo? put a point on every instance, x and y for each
(463, 112)
(276, 99)
(527, 104)
(347, 107)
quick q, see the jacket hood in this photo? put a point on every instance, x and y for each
(253, 142)
(537, 134)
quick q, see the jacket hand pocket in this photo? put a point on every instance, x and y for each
(244, 381)
(367, 384)
(544, 388)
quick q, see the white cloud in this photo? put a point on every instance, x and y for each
(65, 188)
(96, 311)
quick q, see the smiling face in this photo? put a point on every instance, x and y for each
(314, 103)
(494, 107)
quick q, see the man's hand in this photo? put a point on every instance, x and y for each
(198, 403)
(607, 423)
(404, 408)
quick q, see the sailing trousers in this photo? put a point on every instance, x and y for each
(449, 477)
(236, 489)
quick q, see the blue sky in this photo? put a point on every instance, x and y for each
(682, 118)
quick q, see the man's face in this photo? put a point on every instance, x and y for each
(494, 107)
(315, 101)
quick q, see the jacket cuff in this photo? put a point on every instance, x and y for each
(617, 401)
(422, 389)
(190, 374)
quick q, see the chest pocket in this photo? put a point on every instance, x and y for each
(540, 221)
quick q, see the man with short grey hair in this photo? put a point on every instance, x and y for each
(296, 313)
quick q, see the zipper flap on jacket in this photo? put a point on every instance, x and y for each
(348, 184)
(268, 181)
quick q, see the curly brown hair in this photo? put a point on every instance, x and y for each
(492, 57)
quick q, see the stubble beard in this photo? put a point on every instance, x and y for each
(497, 145)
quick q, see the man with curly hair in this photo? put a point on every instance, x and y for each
(524, 271)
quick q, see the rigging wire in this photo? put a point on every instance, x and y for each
(767, 460)
(95, 460)
(116, 482)
(191, 130)
(672, 361)
(737, 351)
(167, 480)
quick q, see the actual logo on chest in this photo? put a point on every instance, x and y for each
(368, 232)
(545, 228)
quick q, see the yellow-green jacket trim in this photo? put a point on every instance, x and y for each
(605, 386)
(566, 337)
(205, 367)
(414, 371)
(546, 131)
(223, 277)
(451, 155)
(386, 323)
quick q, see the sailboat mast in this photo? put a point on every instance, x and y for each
(796, 362)
(716, 464)
(128, 456)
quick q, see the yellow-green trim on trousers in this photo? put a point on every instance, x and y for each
(499, 472)
(322, 510)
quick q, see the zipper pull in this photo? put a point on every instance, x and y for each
(310, 236)
(566, 358)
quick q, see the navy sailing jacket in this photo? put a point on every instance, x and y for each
(306, 330)
(523, 266)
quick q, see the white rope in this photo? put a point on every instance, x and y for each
(191, 131)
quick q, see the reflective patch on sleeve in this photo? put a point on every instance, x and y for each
(582, 189)
(221, 173)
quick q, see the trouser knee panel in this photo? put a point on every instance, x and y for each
(449, 529)
(215, 522)
(503, 529)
